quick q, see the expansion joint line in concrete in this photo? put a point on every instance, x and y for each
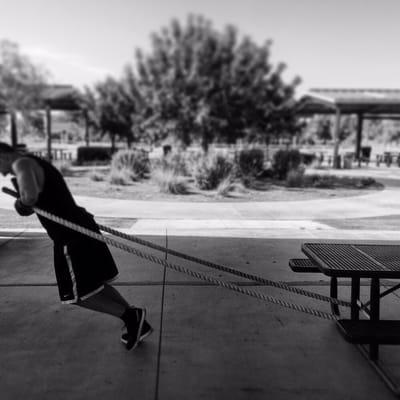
(13, 237)
(178, 268)
(156, 392)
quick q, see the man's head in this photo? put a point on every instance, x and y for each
(7, 157)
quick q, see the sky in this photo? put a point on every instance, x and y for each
(328, 43)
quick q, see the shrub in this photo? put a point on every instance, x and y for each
(307, 158)
(193, 158)
(169, 181)
(174, 161)
(226, 186)
(321, 181)
(249, 181)
(284, 161)
(250, 162)
(96, 176)
(325, 181)
(295, 177)
(211, 170)
(92, 154)
(134, 161)
(365, 182)
(120, 177)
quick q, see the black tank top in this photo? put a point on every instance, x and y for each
(57, 199)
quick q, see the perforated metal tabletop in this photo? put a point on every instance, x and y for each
(355, 260)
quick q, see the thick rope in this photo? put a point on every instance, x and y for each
(219, 267)
(178, 268)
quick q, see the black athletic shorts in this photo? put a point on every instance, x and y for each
(82, 267)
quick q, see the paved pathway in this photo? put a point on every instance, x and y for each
(280, 219)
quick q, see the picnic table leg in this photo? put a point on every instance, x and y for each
(334, 294)
(374, 315)
(355, 297)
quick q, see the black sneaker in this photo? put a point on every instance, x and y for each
(134, 325)
(147, 330)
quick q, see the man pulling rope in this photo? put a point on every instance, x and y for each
(84, 267)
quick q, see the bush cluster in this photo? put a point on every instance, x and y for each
(176, 161)
(211, 170)
(250, 162)
(133, 162)
(214, 171)
(169, 181)
(296, 178)
(285, 161)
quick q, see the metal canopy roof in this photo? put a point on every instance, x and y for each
(350, 101)
(57, 97)
(61, 97)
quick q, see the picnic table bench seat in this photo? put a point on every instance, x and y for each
(302, 265)
(306, 265)
(370, 332)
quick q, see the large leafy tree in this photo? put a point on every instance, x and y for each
(110, 109)
(202, 84)
(21, 83)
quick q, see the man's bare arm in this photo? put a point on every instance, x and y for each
(26, 173)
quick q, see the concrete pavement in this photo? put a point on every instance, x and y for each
(214, 343)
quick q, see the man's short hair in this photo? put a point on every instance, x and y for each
(5, 148)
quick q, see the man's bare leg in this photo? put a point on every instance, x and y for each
(110, 301)
(102, 302)
(113, 294)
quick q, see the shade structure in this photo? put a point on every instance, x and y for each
(61, 98)
(56, 97)
(365, 103)
(53, 98)
(350, 101)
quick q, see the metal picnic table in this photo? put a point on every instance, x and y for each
(356, 261)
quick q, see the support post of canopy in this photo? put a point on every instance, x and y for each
(336, 140)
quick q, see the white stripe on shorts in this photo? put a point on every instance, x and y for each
(73, 279)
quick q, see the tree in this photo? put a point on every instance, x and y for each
(207, 85)
(348, 126)
(110, 108)
(21, 83)
(33, 122)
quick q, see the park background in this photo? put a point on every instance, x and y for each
(188, 76)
